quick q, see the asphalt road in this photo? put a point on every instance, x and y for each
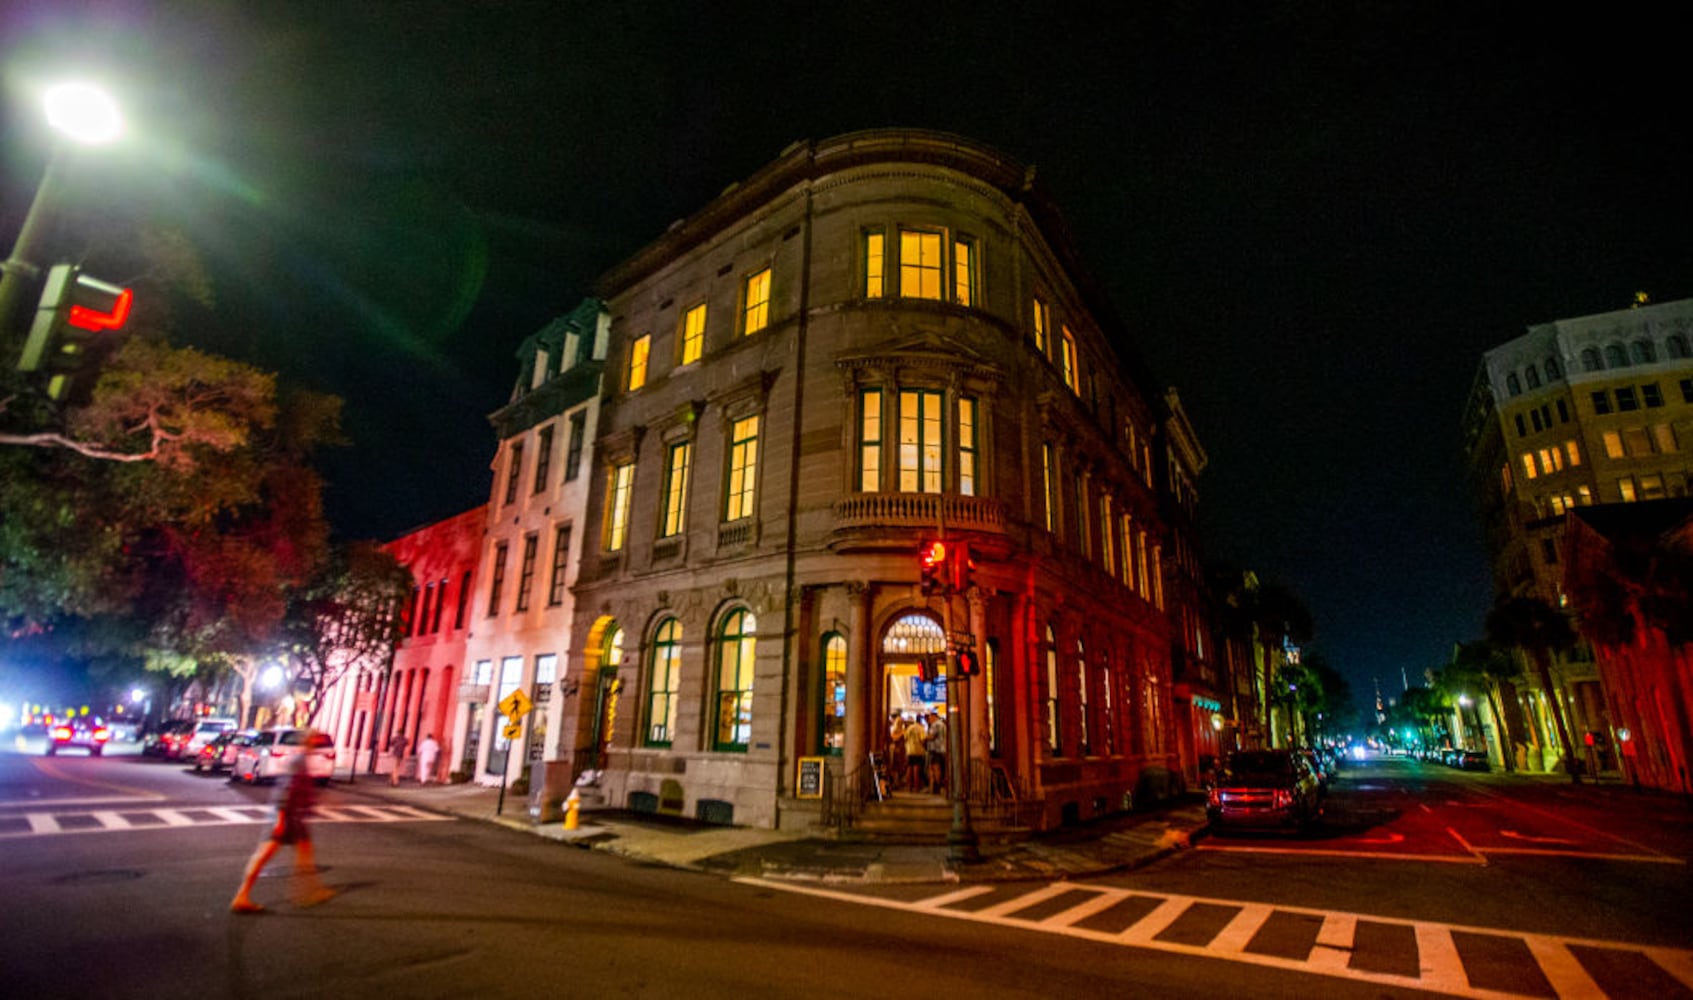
(117, 873)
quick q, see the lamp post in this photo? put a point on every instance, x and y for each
(86, 115)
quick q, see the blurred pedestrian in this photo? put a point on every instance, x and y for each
(914, 736)
(294, 801)
(935, 747)
(427, 751)
(398, 746)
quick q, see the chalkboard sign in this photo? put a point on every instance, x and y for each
(810, 778)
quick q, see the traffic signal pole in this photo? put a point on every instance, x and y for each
(18, 281)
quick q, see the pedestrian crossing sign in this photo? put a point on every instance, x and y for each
(516, 705)
(513, 729)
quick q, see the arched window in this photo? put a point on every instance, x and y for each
(663, 682)
(1615, 356)
(1086, 745)
(1532, 374)
(608, 685)
(1675, 346)
(832, 727)
(1590, 360)
(736, 644)
(990, 676)
(1513, 385)
(1644, 352)
(1054, 741)
(1553, 371)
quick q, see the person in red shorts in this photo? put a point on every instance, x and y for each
(294, 803)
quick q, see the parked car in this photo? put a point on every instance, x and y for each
(205, 731)
(220, 753)
(1265, 789)
(271, 751)
(1320, 767)
(1474, 760)
(126, 729)
(82, 732)
(168, 740)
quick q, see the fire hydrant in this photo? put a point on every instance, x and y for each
(572, 807)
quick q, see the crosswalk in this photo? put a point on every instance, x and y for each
(1454, 959)
(52, 822)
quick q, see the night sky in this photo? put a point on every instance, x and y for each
(1313, 217)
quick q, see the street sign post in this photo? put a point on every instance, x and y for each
(514, 707)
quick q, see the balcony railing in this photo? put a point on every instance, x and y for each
(919, 510)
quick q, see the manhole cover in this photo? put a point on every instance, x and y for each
(107, 875)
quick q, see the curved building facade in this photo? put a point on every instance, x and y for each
(877, 341)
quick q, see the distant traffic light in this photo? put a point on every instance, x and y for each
(968, 664)
(72, 325)
(936, 572)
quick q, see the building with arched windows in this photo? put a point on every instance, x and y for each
(878, 341)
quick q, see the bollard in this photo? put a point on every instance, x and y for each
(572, 806)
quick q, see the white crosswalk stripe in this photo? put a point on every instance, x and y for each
(46, 824)
(1332, 945)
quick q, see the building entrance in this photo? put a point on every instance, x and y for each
(914, 668)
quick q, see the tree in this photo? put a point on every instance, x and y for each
(1539, 630)
(1487, 667)
(347, 620)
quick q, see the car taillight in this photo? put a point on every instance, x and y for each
(101, 735)
(62, 733)
(1283, 798)
(279, 753)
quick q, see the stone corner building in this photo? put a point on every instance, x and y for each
(875, 341)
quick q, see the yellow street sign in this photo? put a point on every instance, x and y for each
(516, 705)
(513, 730)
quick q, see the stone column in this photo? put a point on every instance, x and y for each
(979, 686)
(861, 660)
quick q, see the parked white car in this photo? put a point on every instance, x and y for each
(205, 731)
(270, 754)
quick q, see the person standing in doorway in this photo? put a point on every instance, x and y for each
(914, 763)
(398, 745)
(427, 751)
(294, 803)
(936, 747)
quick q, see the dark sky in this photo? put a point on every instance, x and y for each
(1314, 217)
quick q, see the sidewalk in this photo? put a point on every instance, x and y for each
(1114, 844)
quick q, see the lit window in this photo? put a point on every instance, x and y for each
(963, 273)
(1528, 465)
(919, 441)
(1049, 480)
(1635, 441)
(676, 488)
(1586, 495)
(1042, 319)
(967, 447)
(743, 469)
(693, 334)
(1613, 444)
(1551, 460)
(1107, 550)
(619, 480)
(526, 572)
(919, 265)
(1574, 453)
(1067, 360)
(638, 352)
(736, 646)
(874, 265)
(1085, 743)
(1625, 485)
(498, 581)
(870, 440)
(1652, 486)
(1128, 552)
(1084, 511)
(1664, 435)
(832, 727)
(757, 314)
(665, 682)
(1054, 739)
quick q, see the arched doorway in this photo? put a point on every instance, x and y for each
(913, 666)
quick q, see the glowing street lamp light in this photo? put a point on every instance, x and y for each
(84, 113)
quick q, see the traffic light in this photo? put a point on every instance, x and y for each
(936, 571)
(72, 325)
(968, 664)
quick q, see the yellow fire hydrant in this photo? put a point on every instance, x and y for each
(572, 807)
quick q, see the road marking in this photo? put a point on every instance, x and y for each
(87, 801)
(106, 820)
(1439, 962)
(1466, 845)
(1323, 852)
(1514, 835)
(1517, 803)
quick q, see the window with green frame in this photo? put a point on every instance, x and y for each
(875, 264)
(743, 469)
(920, 264)
(665, 675)
(1082, 707)
(832, 727)
(676, 489)
(737, 643)
(870, 441)
(967, 446)
(1054, 737)
(919, 441)
(693, 334)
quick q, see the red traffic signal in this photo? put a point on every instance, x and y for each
(968, 664)
(934, 567)
(74, 310)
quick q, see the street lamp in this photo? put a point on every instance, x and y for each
(87, 116)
